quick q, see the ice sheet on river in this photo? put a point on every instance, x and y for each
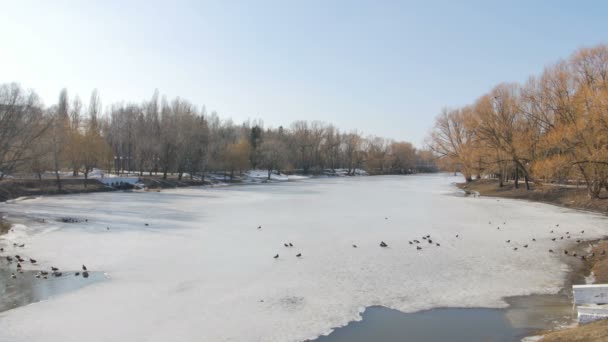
(201, 270)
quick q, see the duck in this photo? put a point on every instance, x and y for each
(508, 241)
(525, 246)
(354, 246)
(553, 239)
(84, 268)
(550, 251)
(54, 269)
(533, 239)
(57, 274)
(457, 236)
(13, 276)
(259, 227)
(76, 274)
(290, 244)
(418, 248)
(33, 261)
(276, 256)
(286, 245)
(9, 259)
(515, 248)
(438, 245)
(582, 232)
(566, 252)
(85, 274)
(299, 255)
(411, 243)
(383, 244)
(18, 265)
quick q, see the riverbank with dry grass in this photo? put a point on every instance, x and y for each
(564, 196)
(595, 266)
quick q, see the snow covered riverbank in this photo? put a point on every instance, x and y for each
(201, 269)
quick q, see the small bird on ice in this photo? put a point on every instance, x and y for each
(299, 255)
(276, 256)
(84, 268)
(354, 246)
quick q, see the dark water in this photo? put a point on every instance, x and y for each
(27, 289)
(525, 316)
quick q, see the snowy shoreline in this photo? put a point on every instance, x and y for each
(326, 289)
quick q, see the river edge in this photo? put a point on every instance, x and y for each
(587, 271)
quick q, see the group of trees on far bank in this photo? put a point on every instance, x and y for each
(161, 136)
(553, 128)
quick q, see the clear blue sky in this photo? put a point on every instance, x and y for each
(383, 67)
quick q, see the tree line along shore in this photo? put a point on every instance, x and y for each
(174, 136)
(551, 129)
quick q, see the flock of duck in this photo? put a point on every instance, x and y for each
(19, 260)
(55, 272)
(41, 274)
(430, 242)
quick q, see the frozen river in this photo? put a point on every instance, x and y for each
(201, 270)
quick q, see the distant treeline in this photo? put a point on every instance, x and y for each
(553, 128)
(176, 137)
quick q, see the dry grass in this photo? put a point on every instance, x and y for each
(599, 262)
(569, 197)
(592, 332)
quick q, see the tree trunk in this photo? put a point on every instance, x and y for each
(527, 181)
(516, 177)
(179, 176)
(165, 174)
(500, 181)
(86, 176)
(269, 171)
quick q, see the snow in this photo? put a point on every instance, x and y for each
(203, 271)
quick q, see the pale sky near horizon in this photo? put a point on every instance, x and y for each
(382, 67)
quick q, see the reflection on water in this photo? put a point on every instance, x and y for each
(524, 316)
(26, 288)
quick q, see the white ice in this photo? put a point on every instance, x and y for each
(202, 271)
